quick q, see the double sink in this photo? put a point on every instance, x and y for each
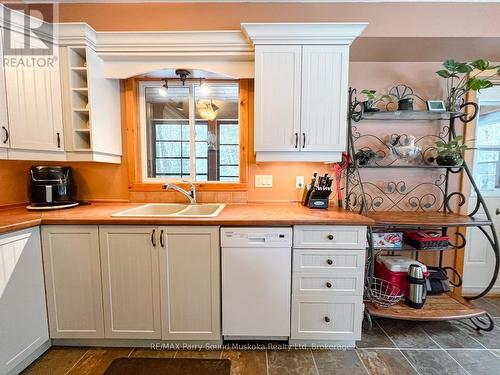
(173, 210)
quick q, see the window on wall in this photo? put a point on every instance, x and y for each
(487, 153)
(190, 133)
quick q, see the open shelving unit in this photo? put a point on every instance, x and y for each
(423, 205)
(80, 107)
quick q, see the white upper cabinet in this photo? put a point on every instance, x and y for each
(301, 89)
(34, 104)
(324, 98)
(277, 98)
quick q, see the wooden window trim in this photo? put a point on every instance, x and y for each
(133, 142)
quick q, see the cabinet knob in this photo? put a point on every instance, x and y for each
(327, 319)
(329, 261)
(330, 237)
(328, 284)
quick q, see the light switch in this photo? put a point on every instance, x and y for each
(263, 180)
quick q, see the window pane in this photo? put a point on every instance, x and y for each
(227, 170)
(168, 149)
(201, 149)
(229, 154)
(168, 166)
(168, 132)
(201, 166)
(229, 134)
(201, 131)
(186, 150)
(185, 167)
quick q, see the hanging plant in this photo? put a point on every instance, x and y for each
(459, 80)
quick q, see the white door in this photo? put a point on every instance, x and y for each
(35, 104)
(324, 98)
(190, 283)
(131, 284)
(479, 259)
(277, 98)
(23, 316)
(73, 281)
(4, 120)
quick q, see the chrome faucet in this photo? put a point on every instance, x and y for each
(191, 194)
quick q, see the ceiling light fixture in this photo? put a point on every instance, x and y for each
(204, 89)
(183, 75)
(209, 112)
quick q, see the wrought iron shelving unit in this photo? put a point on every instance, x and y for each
(425, 204)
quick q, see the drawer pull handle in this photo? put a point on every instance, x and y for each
(329, 261)
(327, 319)
(330, 237)
(328, 284)
(153, 237)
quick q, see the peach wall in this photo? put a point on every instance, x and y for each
(386, 19)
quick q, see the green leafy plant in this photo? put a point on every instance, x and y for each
(460, 80)
(372, 98)
(453, 149)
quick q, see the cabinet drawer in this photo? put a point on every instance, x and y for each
(328, 285)
(329, 237)
(320, 318)
(321, 261)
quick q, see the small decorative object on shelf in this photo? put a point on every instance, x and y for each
(426, 239)
(404, 95)
(462, 77)
(367, 156)
(450, 153)
(372, 99)
(405, 150)
(435, 105)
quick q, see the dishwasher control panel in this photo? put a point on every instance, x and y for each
(250, 237)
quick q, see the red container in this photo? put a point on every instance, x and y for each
(394, 269)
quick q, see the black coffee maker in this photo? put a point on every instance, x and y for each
(51, 187)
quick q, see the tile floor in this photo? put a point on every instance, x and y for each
(391, 347)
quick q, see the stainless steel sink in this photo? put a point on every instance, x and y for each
(173, 210)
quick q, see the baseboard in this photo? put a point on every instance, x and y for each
(471, 291)
(137, 343)
(31, 358)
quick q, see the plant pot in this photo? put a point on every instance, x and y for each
(367, 106)
(452, 105)
(449, 160)
(405, 104)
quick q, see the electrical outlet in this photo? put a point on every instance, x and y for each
(263, 180)
(299, 182)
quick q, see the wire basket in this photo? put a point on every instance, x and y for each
(383, 293)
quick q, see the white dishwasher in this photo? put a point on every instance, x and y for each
(256, 282)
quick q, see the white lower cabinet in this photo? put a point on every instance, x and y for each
(23, 318)
(73, 281)
(130, 281)
(190, 283)
(327, 287)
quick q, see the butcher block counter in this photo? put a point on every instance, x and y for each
(233, 214)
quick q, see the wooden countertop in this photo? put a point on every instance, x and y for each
(233, 214)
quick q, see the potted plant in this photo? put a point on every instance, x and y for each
(370, 104)
(464, 76)
(451, 153)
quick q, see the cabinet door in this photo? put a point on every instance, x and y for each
(4, 120)
(190, 280)
(23, 316)
(324, 98)
(277, 98)
(34, 101)
(131, 284)
(73, 281)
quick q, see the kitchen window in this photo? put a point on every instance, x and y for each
(189, 132)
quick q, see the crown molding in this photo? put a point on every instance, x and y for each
(303, 33)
